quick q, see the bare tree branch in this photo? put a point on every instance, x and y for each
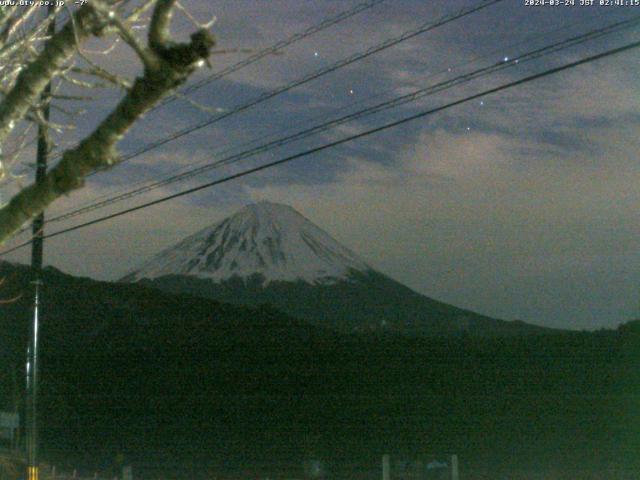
(127, 35)
(137, 12)
(159, 34)
(99, 72)
(168, 66)
(34, 78)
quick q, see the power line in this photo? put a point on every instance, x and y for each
(279, 46)
(313, 76)
(350, 138)
(175, 171)
(392, 103)
(296, 37)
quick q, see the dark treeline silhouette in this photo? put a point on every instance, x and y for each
(185, 387)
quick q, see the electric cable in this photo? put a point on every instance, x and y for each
(344, 140)
(394, 102)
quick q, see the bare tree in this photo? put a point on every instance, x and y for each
(30, 59)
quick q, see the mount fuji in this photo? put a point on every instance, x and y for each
(266, 240)
(270, 253)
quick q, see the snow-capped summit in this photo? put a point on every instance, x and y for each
(268, 239)
(268, 253)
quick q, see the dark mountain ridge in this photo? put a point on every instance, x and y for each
(191, 388)
(364, 302)
(270, 253)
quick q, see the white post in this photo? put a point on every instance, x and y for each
(127, 472)
(454, 468)
(386, 467)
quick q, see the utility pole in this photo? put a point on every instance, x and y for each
(31, 411)
(386, 467)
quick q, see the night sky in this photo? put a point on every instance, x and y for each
(519, 205)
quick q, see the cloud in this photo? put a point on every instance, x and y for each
(457, 218)
(525, 206)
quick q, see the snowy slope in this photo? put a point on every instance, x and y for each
(269, 239)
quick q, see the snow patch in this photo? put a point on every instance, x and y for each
(265, 238)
